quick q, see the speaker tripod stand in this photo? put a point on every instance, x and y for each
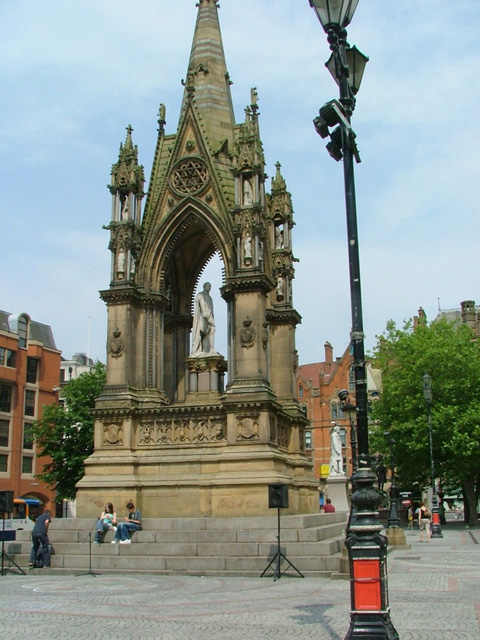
(8, 535)
(278, 557)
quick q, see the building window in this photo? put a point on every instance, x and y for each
(351, 380)
(308, 439)
(29, 402)
(27, 465)
(32, 370)
(5, 398)
(334, 410)
(11, 358)
(4, 432)
(62, 375)
(300, 392)
(3, 463)
(22, 331)
(27, 436)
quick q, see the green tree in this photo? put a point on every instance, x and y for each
(451, 355)
(65, 433)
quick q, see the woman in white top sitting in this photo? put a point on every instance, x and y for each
(106, 522)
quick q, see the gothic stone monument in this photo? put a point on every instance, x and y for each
(184, 431)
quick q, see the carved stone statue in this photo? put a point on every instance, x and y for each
(336, 458)
(120, 263)
(279, 237)
(125, 209)
(247, 192)
(203, 332)
(280, 293)
(247, 248)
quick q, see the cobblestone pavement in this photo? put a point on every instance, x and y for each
(434, 593)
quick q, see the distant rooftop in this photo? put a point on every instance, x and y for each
(37, 330)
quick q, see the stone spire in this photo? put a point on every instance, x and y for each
(207, 83)
(127, 175)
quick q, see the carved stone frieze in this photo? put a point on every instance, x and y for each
(202, 430)
(283, 435)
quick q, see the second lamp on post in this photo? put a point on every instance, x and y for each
(428, 394)
(367, 547)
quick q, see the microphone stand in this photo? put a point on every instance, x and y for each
(89, 572)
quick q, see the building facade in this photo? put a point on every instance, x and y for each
(318, 387)
(71, 369)
(29, 379)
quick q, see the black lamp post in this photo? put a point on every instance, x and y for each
(393, 521)
(367, 548)
(428, 394)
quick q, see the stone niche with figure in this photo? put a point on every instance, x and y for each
(182, 429)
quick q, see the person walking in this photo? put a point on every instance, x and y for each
(424, 516)
(40, 538)
(410, 517)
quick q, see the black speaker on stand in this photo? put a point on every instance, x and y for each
(6, 507)
(278, 499)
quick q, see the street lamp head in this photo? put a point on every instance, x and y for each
(334, 147)
(347, 407)
(334, 14)
(427, 387)
(356, 63)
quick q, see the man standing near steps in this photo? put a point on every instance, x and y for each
(40, 537)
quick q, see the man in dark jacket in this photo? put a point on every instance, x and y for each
(40, 537)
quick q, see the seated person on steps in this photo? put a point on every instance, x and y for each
(106, 522)
(130, 524)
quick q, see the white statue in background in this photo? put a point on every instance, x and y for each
(203, 331)
(336, 457)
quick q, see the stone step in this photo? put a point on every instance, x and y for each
(195, 546)
(190, 565)
(313, 534)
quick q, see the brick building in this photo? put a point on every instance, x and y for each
(318, 385)
(29, 379)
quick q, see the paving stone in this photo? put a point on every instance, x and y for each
(433, 591)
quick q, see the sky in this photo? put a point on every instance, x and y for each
(74, 75)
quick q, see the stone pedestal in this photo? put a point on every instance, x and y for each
(396, 537)
(206, 373)
(337, 492)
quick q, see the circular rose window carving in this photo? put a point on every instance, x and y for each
(189, 176)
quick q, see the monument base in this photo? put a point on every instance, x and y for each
(209, 481)
(337, 492)
(396, 537)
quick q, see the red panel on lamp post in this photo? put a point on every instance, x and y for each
(367, 585)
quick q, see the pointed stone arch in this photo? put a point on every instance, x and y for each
(184, 244)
